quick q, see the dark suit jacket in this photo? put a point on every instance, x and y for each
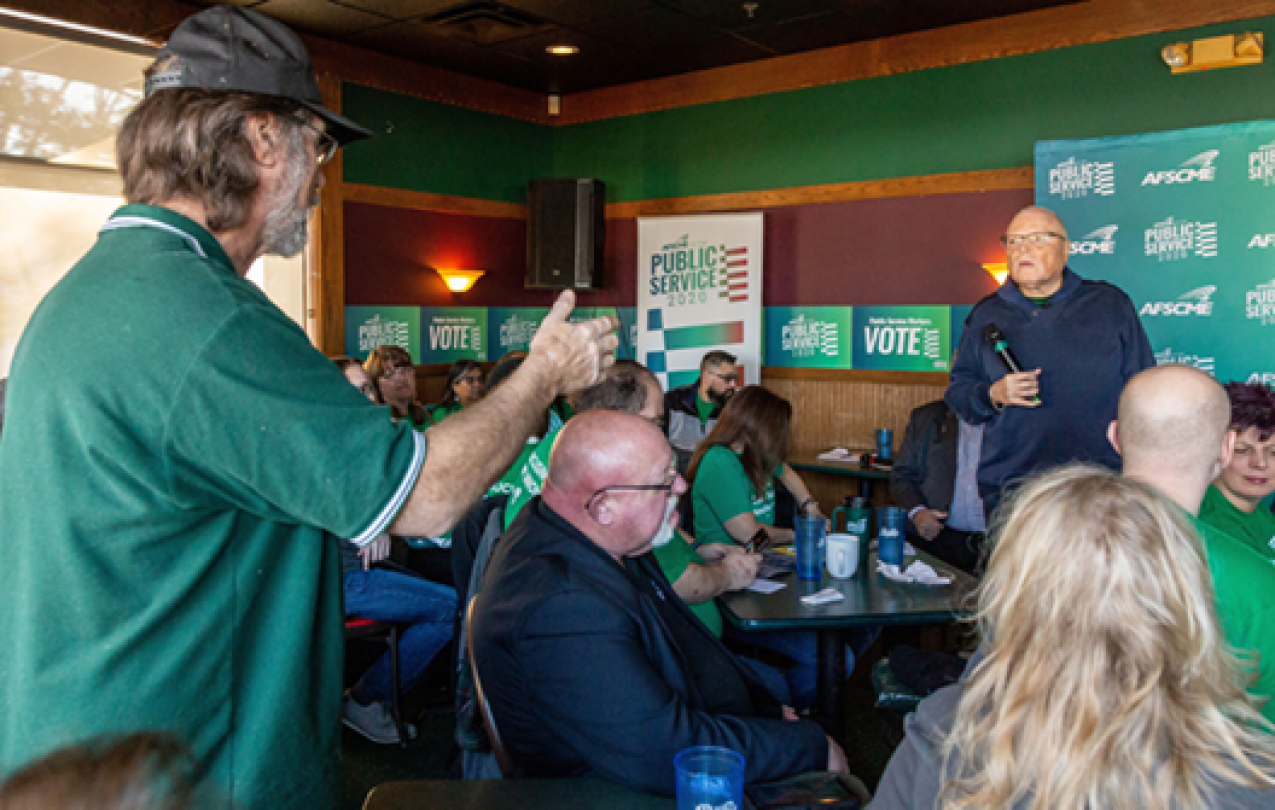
(584, 675)
(924, 471)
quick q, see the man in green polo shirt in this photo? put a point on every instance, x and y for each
(1171, 432)
(178, 458)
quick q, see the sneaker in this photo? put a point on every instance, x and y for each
(374, 721)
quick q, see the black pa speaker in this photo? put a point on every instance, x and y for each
(566, 231)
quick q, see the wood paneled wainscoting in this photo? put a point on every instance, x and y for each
(844, 408)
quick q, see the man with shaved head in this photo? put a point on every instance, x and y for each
(1077, 341)
(590, 663)
(1172, 432)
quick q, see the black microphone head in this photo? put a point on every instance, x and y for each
(992, 334)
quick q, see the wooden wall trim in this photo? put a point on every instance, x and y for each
(955, 183)
(854, 375)
(426, 201)
(1066, 26)
(326, 282)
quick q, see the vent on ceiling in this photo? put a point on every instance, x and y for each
(485, 23)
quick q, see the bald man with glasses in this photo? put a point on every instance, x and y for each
(1078, 342)
(591, 664)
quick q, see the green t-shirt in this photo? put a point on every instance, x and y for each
(177, 463)
(530, 476)
(674, 558)
(441, 412)
(1243, 582)
(508, 483)
(722, 491)
(1256, 530)
(704, 409)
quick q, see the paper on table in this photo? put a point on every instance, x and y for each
(840, 454)
(765, 586)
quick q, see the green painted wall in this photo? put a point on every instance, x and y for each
(427, 146)
(984, 115)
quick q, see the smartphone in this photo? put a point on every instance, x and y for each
(758, 543)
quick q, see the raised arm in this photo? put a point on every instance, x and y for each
(473, 448)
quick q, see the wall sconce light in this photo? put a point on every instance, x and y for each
(1231, 50)
(459, 281)
(998, 271)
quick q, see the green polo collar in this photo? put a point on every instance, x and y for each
(195, 235)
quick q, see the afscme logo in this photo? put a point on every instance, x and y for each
(1102, 240)
(1199, 168)
(1261, 378)
(1195, 302)
(1262, 240)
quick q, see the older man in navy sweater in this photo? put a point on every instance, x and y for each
(1078, 342)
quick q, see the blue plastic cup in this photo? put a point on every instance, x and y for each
(891, 523)
(808, 537)
(709, 777)
(885, 444)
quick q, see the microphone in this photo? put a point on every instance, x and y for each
(994, 337)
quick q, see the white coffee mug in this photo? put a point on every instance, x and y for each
(842, 555)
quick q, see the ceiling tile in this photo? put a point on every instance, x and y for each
(321, 18)
(730, 15)
(575, 13)
(651, 28)
(400, 9)
(419, 43)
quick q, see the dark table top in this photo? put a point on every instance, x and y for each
(809, 460)
(523, 794)
(870, 599)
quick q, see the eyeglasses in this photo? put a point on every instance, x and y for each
(397, 371)
(732, 379)
(472, 379)
(325, 146)
(666, 488)
(1033, 239)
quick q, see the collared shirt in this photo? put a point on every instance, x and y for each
(967, 507)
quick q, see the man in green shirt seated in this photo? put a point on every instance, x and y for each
(172, 493)
(693, 409)
(1234, 503)
(1171, 432)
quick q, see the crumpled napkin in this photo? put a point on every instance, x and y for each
(917, 572)
(823, 597)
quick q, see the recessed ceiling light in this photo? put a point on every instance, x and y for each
(562, 50)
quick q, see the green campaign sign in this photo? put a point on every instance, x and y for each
(369, 327)
(809, 337)
(510, 329)
(902, 338)
(1182, 222)
(449, 334)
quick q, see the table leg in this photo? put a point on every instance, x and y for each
(832, 680)
(865, 488)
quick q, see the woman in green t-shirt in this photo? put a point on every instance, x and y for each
(464, 387)
(733, 471)
(394, 376)
(732, 476)
(1233, 504)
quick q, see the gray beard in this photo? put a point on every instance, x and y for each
(286, 231)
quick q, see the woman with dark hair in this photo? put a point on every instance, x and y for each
(394, 376)
(1104, 680)
(732, 477)
(733, 471)
(1233, 504)
(464, 387)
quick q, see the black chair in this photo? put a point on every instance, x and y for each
(507, 767)
(387, 632)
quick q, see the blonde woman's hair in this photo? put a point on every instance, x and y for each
(1107, 683)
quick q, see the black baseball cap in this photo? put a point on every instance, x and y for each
(232, 48)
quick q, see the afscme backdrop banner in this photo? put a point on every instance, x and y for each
(1184, 222)
(699, 289)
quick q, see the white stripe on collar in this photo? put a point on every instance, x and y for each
(143, 222)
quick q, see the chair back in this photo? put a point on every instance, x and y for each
(507, 768)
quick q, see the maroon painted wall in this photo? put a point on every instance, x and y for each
(908, 250)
